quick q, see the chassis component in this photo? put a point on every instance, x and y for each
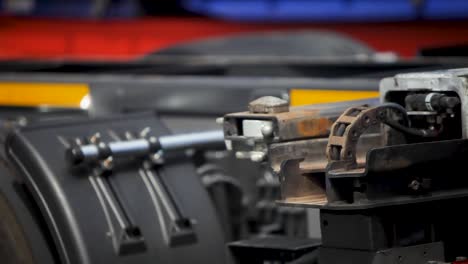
(392, 206)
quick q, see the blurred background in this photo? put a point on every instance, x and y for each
(129, 29)
(192, 61)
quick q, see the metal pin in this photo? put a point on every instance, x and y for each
(128, 135)
(145, 132)
(267, 131)
(107, 164)
(257, 156)
(95, 138)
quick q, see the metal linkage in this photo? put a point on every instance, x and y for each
(146, 146)
(349, 127)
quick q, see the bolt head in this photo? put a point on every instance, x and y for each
(414, 185)
(157, 158)
(107, 164)
(220, 120)
(267, 131)
(241, 155)
(257, 157)
(269, 105)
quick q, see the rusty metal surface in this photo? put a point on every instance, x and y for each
(298, 123)
(301, 122)
(346, 131)
(297, 188)
(301, 166)
(296, 148)
(390, 173)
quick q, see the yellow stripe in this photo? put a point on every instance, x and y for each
(305, 97)
(42, 94)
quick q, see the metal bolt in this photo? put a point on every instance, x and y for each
(414, 185)
(267, 130)
(78, 141)
(157, 158)
(153, 140)
(257, 156)
(95, 138)
(129, 135)
(144, 133)
(269, 105)
(22, 121)
(101, 144)
(107, 164)
(241, 155)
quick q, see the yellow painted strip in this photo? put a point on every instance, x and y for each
(42, 94)
(305, 97)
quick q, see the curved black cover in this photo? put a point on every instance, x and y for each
(82, 223)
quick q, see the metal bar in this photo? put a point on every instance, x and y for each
(201, 140)
(145, 146)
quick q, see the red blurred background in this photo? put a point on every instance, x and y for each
(35, 38)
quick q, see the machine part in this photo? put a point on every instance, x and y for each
(445, 92)
(257, 128)
(405, 233)
(393, 207)
(433, 164)
(253, 136)
(272, 219)
(137, 148)
(431, 102)
(268, 105)
(250, 135)
(139, 212)
(426, 253)
(274, 248)
(346, 131)
(299, 122)
(301, 166)
(228, 198)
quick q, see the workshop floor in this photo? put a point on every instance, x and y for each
(28, 38)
